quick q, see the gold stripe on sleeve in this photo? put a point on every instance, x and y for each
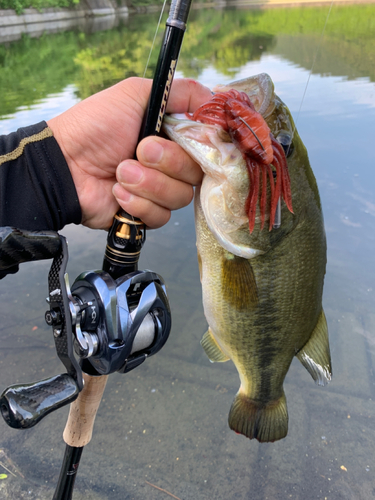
(16, 153)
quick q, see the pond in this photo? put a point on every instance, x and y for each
(165, 424)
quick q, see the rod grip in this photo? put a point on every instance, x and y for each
(80, 424)
(23, 406)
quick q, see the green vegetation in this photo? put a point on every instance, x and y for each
(20, 5)
(223, 39)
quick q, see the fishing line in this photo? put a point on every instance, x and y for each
(312, 66)
(153, 41)
(149, 57)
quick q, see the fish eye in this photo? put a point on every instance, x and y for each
(285, 139)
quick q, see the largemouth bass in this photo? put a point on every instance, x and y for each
(262, 283)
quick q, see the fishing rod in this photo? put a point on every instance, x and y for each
(124, 243)
(112, 319)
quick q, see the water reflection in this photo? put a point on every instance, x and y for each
(165, 423)
(222, 39)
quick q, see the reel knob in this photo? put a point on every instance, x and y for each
(24, 405)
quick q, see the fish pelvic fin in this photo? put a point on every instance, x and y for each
(266, 422)
(315, 355)
(239, 286)
(212, 348)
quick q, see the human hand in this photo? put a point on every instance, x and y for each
(98, 138)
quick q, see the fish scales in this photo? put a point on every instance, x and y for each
(263, 310)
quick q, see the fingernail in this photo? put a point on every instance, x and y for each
(152, 151)
(129, 173)
(120, 193)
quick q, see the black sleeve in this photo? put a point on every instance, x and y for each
(36, 188)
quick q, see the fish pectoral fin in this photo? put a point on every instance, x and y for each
(239, 286)
(315, 355)
(212, 348)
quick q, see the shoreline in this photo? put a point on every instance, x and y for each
(86, 8)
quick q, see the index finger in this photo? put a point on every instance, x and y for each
(187, 95)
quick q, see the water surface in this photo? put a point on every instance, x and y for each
(165, 423)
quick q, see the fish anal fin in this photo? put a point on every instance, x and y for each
(266, 422)
(239, 284)
(315, 355)
(212, 348)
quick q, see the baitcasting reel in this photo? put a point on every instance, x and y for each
(100, 325)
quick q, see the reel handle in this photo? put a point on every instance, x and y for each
(19, 245)
(24, 405)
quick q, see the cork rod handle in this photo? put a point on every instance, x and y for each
(80, 424)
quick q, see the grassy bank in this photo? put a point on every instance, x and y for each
(20, 5)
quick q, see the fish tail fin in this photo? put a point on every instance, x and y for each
(264, 422)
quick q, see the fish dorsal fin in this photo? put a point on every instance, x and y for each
(239, 286)
(315, 355)
(212, 348)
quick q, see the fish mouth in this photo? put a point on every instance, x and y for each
(239, 189)
(260, 90)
